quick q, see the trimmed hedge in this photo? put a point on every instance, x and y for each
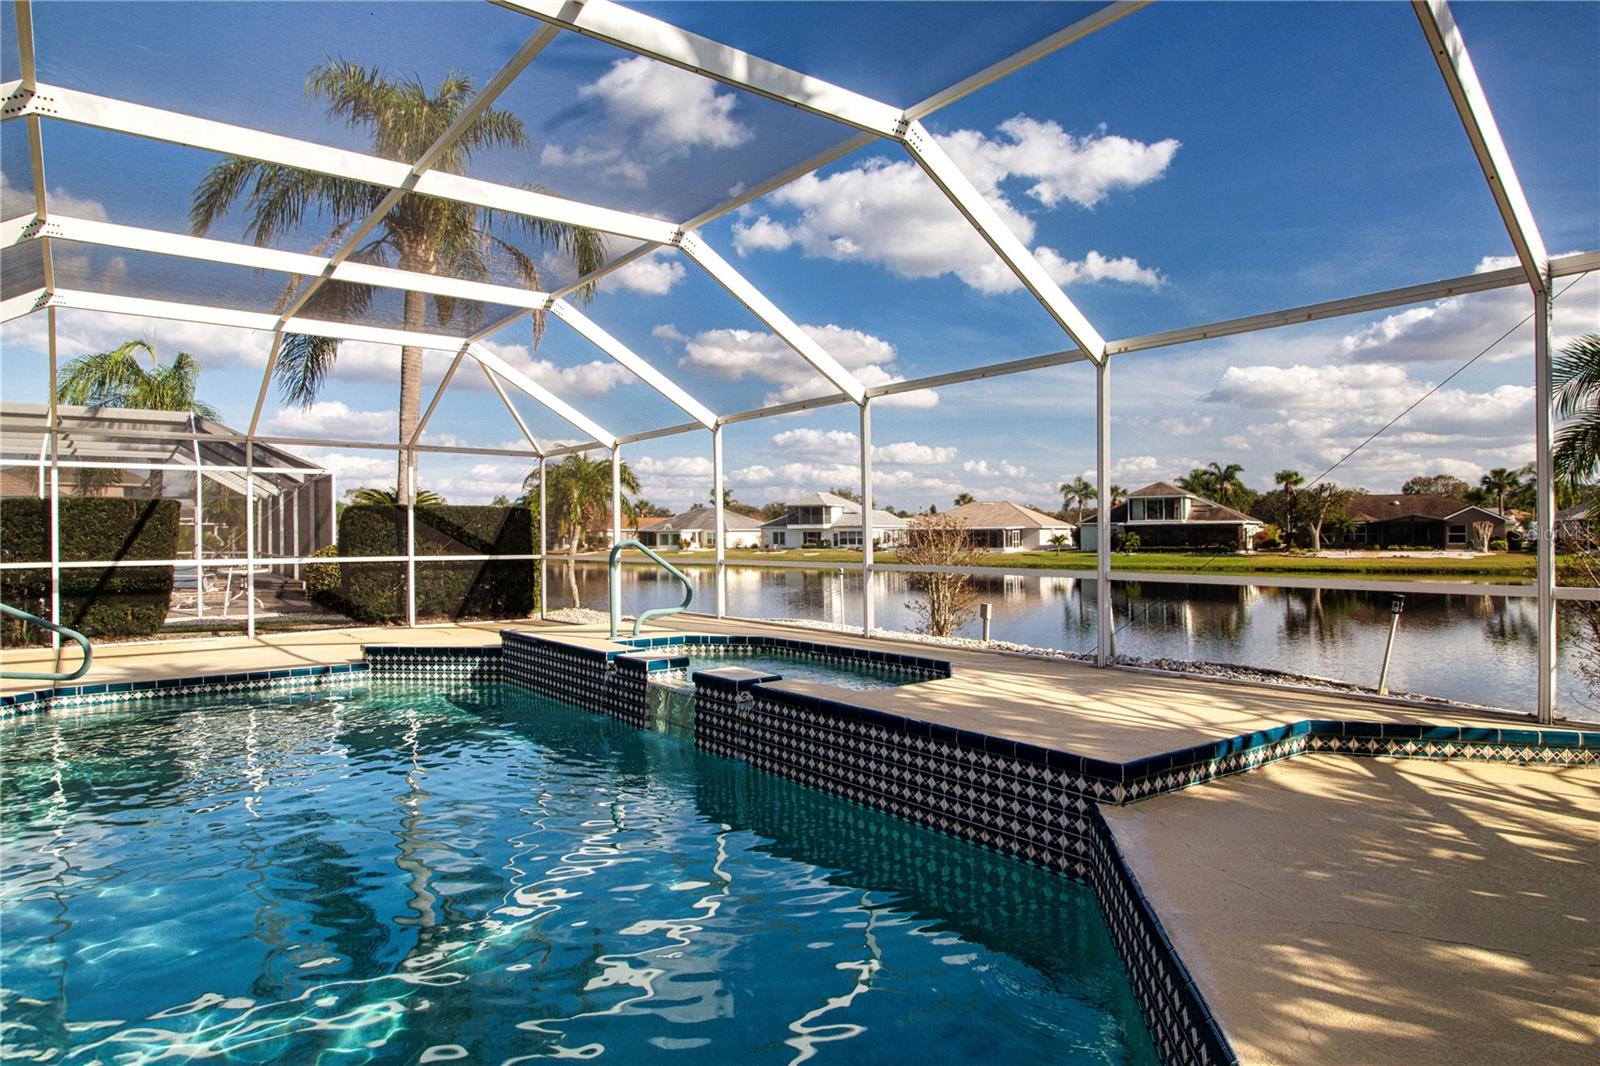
(376, 592)
(98, 603)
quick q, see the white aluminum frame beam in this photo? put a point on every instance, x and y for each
(516, 416)
(636, 32)
(260, 321)
(1461, 78)
(740, 288)
(591, 331)
(19, 231)
(119, 116)
(960, 191)
(1058, 40)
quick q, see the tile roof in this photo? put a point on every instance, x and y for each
(701, 518)
(1003, 514)
(1386, 506)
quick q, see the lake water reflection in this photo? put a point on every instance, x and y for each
(1475, 648)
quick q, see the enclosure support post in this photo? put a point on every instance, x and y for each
(199, 526)
(55, 487)
(616, 494)
(1545, 507)
(249, 538)
(1105, 623)
(721, 530)
(866, 518)
(544, 545)
(411, 539)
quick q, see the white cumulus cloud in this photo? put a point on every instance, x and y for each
(887, 212)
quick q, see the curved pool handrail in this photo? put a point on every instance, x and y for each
(612, 565)
(66, 631)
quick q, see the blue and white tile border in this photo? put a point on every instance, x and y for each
(289, 679)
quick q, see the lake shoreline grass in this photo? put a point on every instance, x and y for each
(1508, 567)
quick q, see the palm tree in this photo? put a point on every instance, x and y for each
(962, 499)
(1059, 542)
(418, 233)
(1500, 483)
(370, 497)
(578, 495)
(1076, 493)
(116, 379)
(1576, 376)
(1289, 481)
(1118, 494)
(1225, 483)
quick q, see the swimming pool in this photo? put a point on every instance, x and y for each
(403, 876)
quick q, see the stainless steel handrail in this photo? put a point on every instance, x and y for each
(616, 589)
(66, 631)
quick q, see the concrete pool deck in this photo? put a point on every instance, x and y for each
(1342, 910)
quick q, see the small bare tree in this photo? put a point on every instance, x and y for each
(948, 600)
(1481, 534)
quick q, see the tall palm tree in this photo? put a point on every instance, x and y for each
(1225, 483)
(964, 498)
(1288, 480)
(1500, 483)
(419, 233)
(117, 379)
(1075, 494)
(1118, 494)
(1577, 384)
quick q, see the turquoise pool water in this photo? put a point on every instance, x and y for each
(848, 675)
(406, 877)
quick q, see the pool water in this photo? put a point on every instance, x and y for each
(402, 876)
(856, 676)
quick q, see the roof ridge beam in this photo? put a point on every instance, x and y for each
(1056, 41)
(591, 331)
(1466, 92)
(638, 32)
(740, 288)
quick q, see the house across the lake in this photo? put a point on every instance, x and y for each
(1002, 526)
(696, 528)
(1398, 520)
(1165, 516)
(823, 520)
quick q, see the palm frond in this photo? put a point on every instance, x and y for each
(1575, 373)
(304, 363)
(105, 379)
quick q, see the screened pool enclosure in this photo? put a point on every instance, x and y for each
(115, 115)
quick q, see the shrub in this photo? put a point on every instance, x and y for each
(322, 579)
(1125, 542)
(98, 602)
(376, 592)
(1497, 545)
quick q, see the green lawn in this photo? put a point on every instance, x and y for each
(1504, 566)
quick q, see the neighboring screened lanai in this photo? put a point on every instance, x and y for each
(637, 231)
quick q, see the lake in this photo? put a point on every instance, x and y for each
(1479, 649)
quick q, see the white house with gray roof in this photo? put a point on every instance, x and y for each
(1003, 526)
(823, 520)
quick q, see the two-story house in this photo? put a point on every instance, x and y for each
(1165, 516)
(823, 520)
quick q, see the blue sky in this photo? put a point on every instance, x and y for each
(1190, 163)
